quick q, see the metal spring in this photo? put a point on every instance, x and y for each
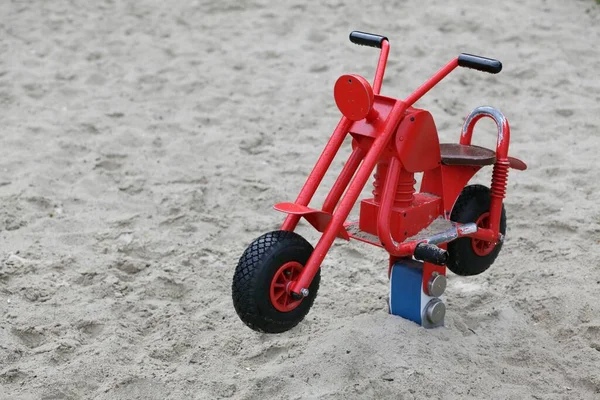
(376, 188)
(405, 191)
(500, 179)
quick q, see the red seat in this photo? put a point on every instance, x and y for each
(460, 154)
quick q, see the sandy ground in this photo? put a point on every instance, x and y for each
(144, 142)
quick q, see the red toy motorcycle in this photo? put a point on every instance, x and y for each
(444, 224)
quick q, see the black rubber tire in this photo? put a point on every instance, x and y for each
(253, 276)
(473, 201)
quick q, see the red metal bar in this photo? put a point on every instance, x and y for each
(383, 56)
(318, 172)
(483, 234)
(500, 173)
(343, 179)
(501, 123)
(349, 199)
(434, 80)
(385, 210)
(503, 140)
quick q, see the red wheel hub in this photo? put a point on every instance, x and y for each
(482, 247)
(281, 295)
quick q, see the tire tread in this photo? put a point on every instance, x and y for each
(245, 283)
(462, 260)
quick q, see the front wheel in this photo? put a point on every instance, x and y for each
(262, 279)
(468, 256)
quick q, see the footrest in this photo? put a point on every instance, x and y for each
(438, 225)
(439, 231)
(317, 218)
(354, 232)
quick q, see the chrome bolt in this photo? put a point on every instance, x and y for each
(304, 292)
(436, 285)
(435, 311)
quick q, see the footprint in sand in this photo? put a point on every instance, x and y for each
(564, 112)
(30, 337)
(34, 90)
(12, 375)
(110, 163)
(267, 355)
(90, 329)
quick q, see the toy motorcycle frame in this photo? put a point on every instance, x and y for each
(444, 224)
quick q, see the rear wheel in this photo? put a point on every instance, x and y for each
(262, 280)
(467, 256)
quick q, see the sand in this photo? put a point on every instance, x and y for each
(144, 143)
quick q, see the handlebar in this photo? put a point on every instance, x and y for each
(463, 60)
(367, 39)
(479, 63)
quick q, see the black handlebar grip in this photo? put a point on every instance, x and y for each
(431, 253)
(479, 63)
(367, 39)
